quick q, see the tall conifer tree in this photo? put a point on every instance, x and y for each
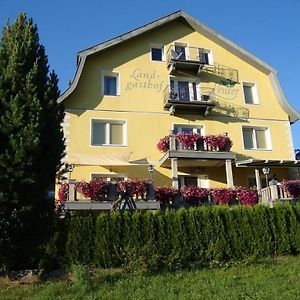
(31, 137)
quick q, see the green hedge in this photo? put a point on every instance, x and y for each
(165, 240)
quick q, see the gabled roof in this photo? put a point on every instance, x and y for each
(202, 29)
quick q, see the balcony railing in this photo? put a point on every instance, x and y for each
(188, 54)
(186, 99)
(194, 142)
(198, 60)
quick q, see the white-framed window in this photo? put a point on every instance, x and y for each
(193, 180)
(186, 128)
(157, 52)
(184, 90)
(114, 177)
(256, 138)
(181, 51)
(250, 93)
(108, 132)
(110, 83)
(205, 56)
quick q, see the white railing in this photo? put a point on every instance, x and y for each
(274, 193)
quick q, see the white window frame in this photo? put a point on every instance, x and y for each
(268, 137)
(112, 74)
(188, 125)
(200, 179)
(108, 175)
(107, 132)
(210, 55)
(253, 85)
(190, 82)
(158, 46)
(186, 46)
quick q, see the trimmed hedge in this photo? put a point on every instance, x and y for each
(165, 240)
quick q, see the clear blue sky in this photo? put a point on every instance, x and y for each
(269, 29)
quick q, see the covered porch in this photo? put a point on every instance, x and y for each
(268, 174)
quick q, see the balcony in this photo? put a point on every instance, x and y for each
(192, 150)
(186, 99)
(197, 61)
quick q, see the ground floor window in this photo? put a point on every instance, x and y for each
(189, 180)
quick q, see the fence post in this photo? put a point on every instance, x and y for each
(274, 191)
(172, 141)
(71, 190)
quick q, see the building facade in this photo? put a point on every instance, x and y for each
(175, 75)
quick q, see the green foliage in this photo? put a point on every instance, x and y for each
(80, 279)
(198, 236)
(80, 240)
(269, 279)
(31, 138)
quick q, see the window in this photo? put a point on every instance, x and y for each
(186, 129)
(256, 138)
(110, 83)
(108, 132)
(250, 93)
(184, 90)
(189, 180)
(157, 54)
(109, 177)
(205, 56)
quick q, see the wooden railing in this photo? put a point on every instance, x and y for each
(274, 193)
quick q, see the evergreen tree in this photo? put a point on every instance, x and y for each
(31, 137)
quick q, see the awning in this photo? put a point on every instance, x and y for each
(268, 163)
(115, 159)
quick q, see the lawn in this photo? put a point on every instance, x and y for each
(270, 279)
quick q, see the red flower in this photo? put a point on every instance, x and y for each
(222, 195)
(164, 144)
(194, 195)
(247, 196)
(95, 189)
(188, 140)
(292, 187)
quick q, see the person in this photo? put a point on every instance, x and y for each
(274, 180)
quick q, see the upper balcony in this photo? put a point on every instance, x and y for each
(195, 61)
(184, 98)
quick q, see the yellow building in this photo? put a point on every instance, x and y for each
(176, 75)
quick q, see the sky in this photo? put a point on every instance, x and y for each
(269, 29)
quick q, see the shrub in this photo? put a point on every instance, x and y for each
(174, 239)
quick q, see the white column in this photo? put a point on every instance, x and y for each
(258, 183)
(229, 175)
(174, 168)
(172, 142)
(71, 190)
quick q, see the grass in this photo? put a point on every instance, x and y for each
(270, 279)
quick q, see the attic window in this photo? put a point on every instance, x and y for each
(157, 53)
